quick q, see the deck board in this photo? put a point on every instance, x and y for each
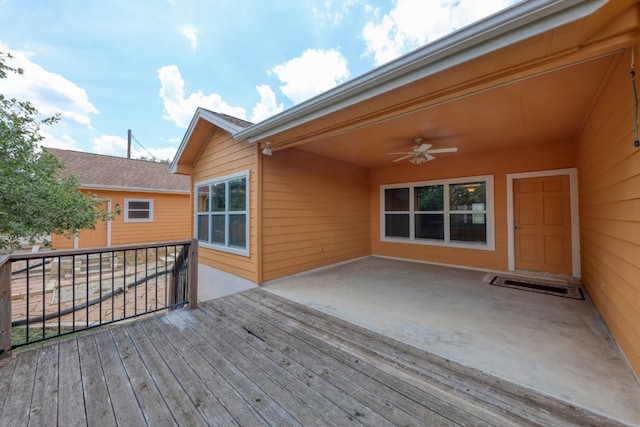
(5, 379)
(17, 405)
(151, 402)
(451, 410)
(218, 387)
(99, 411)
(71, 409)
(306, 369)
(316, 398)
(272, 401)
(252, 359)
(365, 390)
(168, 386)
(125, 405)
(45, 390)
(194, 387)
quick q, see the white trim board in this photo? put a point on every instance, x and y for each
(575, 217)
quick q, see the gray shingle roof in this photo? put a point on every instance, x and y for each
(97, 171)
(236, 121)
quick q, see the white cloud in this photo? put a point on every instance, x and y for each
(64, 142)
(49, 92)
(191, 34)
(180, 108)
(111, 145)
(267, 106)
(114, 145)
(333, 12)
(164, 153)
(413, 23)
(314, 72)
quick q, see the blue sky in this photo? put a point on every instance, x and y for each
(112, 65)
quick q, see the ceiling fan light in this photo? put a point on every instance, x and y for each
(418, 160)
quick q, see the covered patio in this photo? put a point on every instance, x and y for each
(255, 358)
(558, 346)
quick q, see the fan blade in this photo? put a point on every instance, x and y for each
(402, 158)
(444, 150)
(428, 156)
(400, 154)
(422, 148)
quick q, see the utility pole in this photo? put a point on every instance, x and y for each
(129, 144)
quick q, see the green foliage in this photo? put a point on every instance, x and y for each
(465, 196)
(153, 159)
(34, 202)
(430, 198)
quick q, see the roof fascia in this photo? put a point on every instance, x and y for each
(212, 118)
(510, 26)
(130, 189)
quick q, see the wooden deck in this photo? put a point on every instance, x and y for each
(257, 359)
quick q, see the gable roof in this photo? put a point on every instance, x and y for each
(201, 122)
(100, 172)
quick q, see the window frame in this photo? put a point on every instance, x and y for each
(489, 211)
(127, 201)
(226, 247)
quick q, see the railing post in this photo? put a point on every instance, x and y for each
(192, 286)
(5, 306)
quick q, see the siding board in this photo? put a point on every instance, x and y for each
(626, 251)
(171, 219)
(315, 212)
(222, 156)
(609, 171)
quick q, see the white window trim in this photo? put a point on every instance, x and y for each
(126, 210)
(490, 245)
(223, 248)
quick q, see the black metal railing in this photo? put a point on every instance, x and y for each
(55, 293)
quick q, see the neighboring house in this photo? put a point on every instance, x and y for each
(539, 102)
(154, 203)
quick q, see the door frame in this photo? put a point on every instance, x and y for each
(575, 224)
(76, 237)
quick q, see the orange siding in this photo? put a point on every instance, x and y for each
(315, 212)
(59, 242)
(222, 156)
(171, 219)
(556, 155)
(609, 171)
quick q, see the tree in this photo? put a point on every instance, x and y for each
(153, 159)
(34, 201)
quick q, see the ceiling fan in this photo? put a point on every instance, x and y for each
(422, 152)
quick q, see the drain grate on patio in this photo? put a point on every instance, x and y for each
(557, 289)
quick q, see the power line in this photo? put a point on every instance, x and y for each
(141, 146)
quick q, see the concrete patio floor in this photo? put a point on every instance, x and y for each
(558, 346)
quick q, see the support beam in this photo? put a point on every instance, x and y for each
(5, 306)
(192, 290)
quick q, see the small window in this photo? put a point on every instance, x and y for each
(138, 210)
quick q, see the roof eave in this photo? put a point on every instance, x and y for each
(510, 26)
(99, 187)
(212, 118)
